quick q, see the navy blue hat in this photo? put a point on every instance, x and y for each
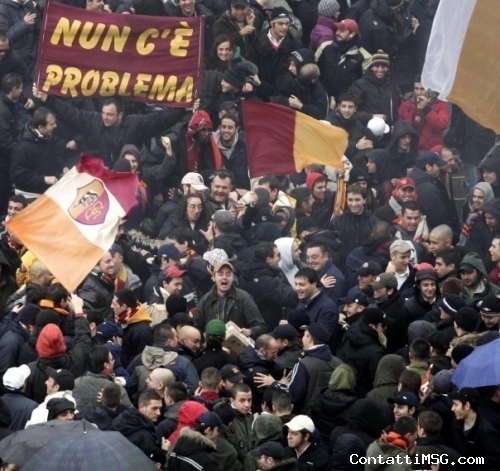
(431, 158)
(177, 369)
(405, 398)
(355, 296)
(297, 318)
(318, 332)
(285, 331)
(27, 315)
(168, 251)
(115, 248)
(370, 268)
(211, 419)
(108, 330)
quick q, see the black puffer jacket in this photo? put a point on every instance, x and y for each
(362, 350)
(399, 162)
(33, 159)
(97, 293)
(192, 452)
(23, 38)
(269, 289)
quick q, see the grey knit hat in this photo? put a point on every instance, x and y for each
(328, 8)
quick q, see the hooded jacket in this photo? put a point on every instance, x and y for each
(434, 200)
(287, 265)
(88, 386)
(11, 343)
(269, 290)
(152, 357)
(392, 446)
(492, 163)
(331, 407)
(345, 447)
(188, 413)
(400, 162)
(138, 429)
(192, 452)
(361, 349)
(386, 381)
(474, 260)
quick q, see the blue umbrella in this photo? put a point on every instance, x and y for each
(480, 368)
(96, 451)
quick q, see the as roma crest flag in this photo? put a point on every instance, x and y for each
(281, 141)
(72, 225)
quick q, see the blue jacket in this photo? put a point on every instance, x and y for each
(322, 310)
(340, 288)
(10, 343)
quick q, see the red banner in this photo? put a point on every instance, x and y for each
(143, 58)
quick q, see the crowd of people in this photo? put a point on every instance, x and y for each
(351, 306)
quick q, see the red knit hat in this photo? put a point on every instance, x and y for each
(311, 179)
(50, 342)
(188, 413)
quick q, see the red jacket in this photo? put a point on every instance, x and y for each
(429, 123)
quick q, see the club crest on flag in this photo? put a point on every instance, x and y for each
(91, 204)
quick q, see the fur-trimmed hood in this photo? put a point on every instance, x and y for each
(191, 442)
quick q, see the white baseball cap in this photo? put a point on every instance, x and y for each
(15, 377)
(195, 180)
(301, 422)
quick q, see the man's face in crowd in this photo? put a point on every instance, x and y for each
(107, 264)
(495, 250)
(194, 209)
(470, 276)
(400, 260)
(460, 410)
(292, 68)
(406, 194)
(491, 322)
(226, 87)
(490, 221)
(224, 279)
(437, 243)
(347, 109)
(319, 190)
(48, 128)
(411, 219)
(364, 282)
(182, 248)
(351, 308)
(304, 288)
(275, 260)
(118, 261)
(279, 28)
(228, 131)
(238, 12)
(379, 293)
(432, 170)
(192, 340)
(295, 252)
(316, 259)
(174, 286)
(220, 189)
(117, 308)
(428, 288)
(342, 35)
(295, 439)
(371, 167)
(419, 89)
(134, 163)
(489, 176)
(273, 193)
(187, 7)
(152, 410)
(404, 143)
(402, 410)
(51, 386)
(242, 402)
(110, 116)
(380, 71)
(95, 5)
(204, 133)
(223, 50)
(477, 198)
(271, 351)
(14, 208)
(356, 203)
(442, 269)
(449, 158)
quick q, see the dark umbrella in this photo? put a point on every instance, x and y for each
(480, 368)
(97, 451)
(19, 447)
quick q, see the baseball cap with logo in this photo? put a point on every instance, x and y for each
(405, 183)
(195, 180)
(370, 268)
(355, 296)
(231, 373)
(374, 315)
(385, 280)
(405, 398)
(490, 306)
